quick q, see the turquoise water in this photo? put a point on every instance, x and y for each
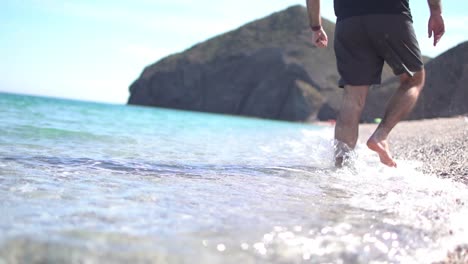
(96, 183)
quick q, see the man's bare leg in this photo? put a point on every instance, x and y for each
(347, 123)
(399, 106)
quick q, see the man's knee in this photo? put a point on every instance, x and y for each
(415, 81)
(355, 97)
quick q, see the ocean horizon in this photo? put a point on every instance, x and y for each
(108, 183)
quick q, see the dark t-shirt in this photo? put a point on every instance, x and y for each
(349, 8)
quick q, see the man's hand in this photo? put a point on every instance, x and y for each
(436, 26)
(320, 38)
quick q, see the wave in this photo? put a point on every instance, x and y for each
(26, 132)
(135, 167)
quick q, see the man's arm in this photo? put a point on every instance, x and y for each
(313, 8)
(436, 24)
(319, 38)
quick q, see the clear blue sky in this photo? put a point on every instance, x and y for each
(94, 49)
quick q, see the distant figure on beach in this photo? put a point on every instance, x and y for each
(367, 33)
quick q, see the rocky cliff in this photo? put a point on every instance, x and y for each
(270, 69)
(262, 84)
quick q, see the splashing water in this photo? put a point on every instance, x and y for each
(82, 182)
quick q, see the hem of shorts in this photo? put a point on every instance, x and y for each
(372, 83)
(409, 72)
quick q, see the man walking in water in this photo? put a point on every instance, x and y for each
(367, 33)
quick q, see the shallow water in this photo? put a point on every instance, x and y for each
(95, 183)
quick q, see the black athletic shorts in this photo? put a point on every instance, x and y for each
(363, 43)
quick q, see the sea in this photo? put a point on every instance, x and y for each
(84, 182)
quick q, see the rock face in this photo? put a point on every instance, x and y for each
(270, 69)
(262, 84)
(267, 68)
(445, 93)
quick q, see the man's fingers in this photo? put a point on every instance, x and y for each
(320, 43)
(438, 37)
(320, 39)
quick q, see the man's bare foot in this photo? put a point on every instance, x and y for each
(339, 162)
(342, 151)
(381, 147)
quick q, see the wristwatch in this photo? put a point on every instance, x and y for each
(316, 28)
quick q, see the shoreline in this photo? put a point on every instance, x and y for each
(440, 144)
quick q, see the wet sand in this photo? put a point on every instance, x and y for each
(440, 144)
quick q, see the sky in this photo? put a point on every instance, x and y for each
(94, 49)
